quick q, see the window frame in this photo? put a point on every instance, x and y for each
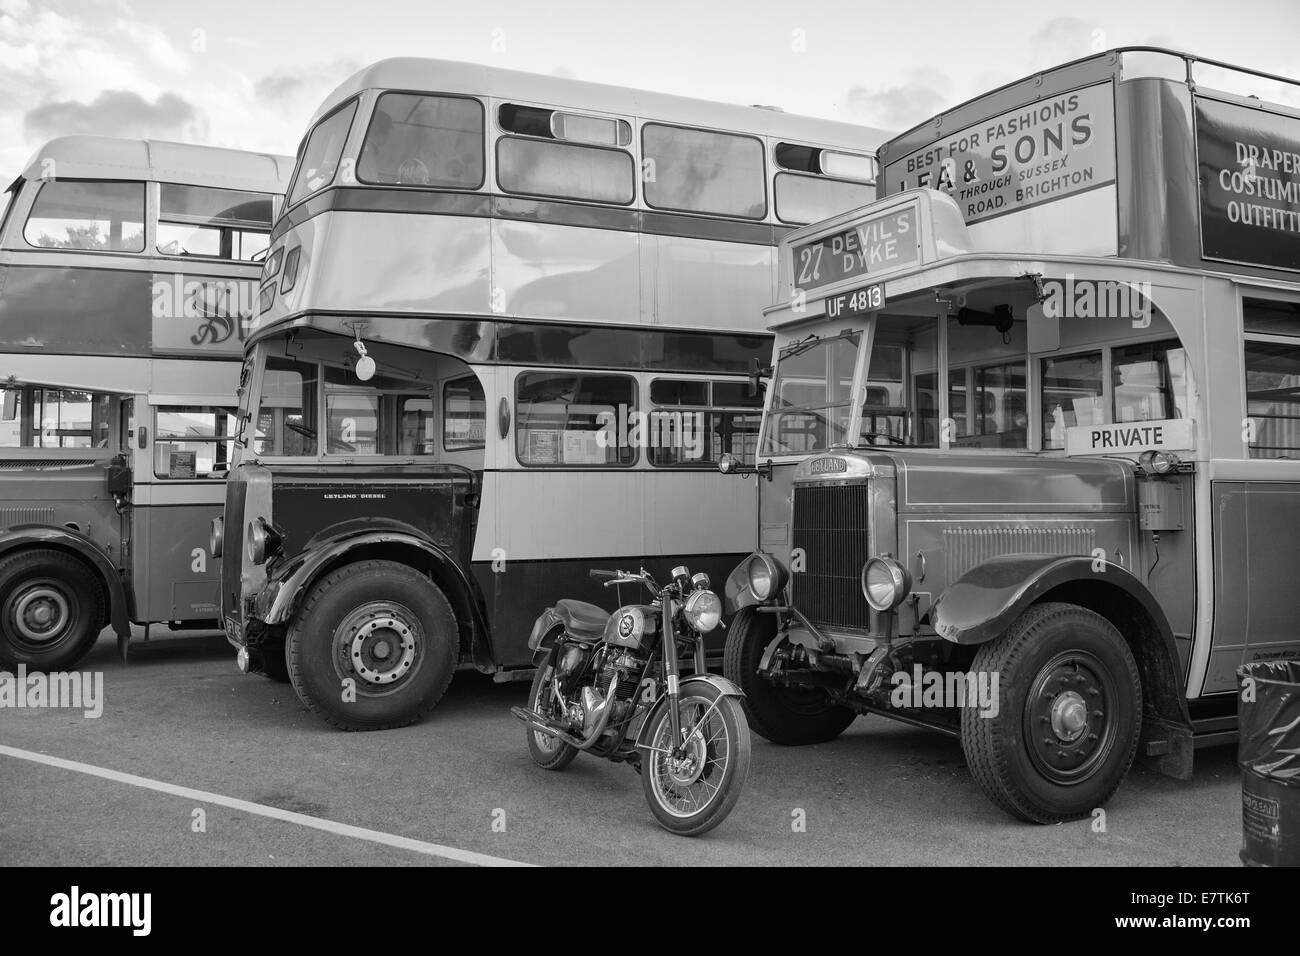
(710, 407)
(290, 203)
(442, 397)
(228, 235)
(504, 137)
(216, 441)
(483, 142)
(145, 225)
(517, 418)
(763, 172)
(816, 177)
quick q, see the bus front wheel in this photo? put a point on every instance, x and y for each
(373, 646)
(51, 610)
(783, 715)
(1059, 732)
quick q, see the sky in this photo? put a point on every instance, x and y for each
(249, 75)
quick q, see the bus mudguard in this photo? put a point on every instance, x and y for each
(984, 602)
(74, 542)
(289, 584)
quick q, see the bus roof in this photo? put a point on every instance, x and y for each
(149, 160)
(450, 76)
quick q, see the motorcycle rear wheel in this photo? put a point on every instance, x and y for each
(549, 753)
(693, 795)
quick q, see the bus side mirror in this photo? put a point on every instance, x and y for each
(10, 412)
(118, 477)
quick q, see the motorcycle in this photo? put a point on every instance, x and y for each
(610, 685)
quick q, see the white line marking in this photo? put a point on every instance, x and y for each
(261, 810)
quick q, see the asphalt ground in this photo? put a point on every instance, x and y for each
(193, 763)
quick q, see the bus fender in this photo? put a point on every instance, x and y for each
(65, 539)
(984, 602)
(288, 585)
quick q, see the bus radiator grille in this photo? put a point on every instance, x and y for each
(830, 526)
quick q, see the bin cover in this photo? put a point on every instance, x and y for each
(1269, 727)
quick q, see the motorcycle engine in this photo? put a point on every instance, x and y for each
(611, 681)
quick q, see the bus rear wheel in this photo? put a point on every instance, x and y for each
(51, 610)
(373, 646)
(1067, 719)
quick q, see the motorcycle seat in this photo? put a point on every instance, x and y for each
(584, 621)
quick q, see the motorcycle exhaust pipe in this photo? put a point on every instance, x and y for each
(536, 722)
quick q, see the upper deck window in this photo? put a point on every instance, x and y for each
(696, 170)
(821, 182)
(96, 216)
(220, 223)
(422, 140)
(538, 167)
(321, 153)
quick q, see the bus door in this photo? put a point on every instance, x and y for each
(181, 455)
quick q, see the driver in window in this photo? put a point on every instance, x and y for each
(377, 154)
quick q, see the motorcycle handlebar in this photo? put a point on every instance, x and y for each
(598, 573)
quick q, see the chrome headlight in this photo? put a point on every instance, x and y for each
(263, 541)
(703, 611)
(215, 536)
(885, 583)
(766, 576)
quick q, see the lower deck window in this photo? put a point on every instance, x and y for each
(35, 417)
(1072, 395)
(1273, 398)
(574, 419)
(696, 422)
(192, 441)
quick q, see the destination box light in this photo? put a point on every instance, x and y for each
(1128, 438)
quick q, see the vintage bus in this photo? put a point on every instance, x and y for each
(127, 272)
(505, 329)
(1047, 497)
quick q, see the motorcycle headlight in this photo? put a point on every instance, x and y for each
(885, 583)
(703, 611)
(766, 576)
(215, 536)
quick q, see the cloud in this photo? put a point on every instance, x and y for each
(922, 93)
(117, 113)
(1062, 39)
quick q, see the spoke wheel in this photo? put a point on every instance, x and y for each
(693, 782)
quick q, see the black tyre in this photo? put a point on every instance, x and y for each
(51, 610)
(692, 794)
(783, 715)
(373, 646)
(1069, 715)
(549, 753)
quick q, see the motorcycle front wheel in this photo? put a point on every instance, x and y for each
(692, 793)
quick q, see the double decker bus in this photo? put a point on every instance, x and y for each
(127, 274)
(505, 329)
(1045, 494)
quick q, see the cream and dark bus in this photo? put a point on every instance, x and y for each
(1046, 496)
(126, 274)
(506, 329)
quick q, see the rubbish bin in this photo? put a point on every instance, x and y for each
(1268, 711)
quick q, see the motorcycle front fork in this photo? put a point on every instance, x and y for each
(672, 671)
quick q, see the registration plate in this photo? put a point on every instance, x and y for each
(233, 632)
(869, 298)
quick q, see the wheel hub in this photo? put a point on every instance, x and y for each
(1069, 716)
(383, 649)
(685, 769)
(1068, 726)
(41, 613)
